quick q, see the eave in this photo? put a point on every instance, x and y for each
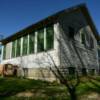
(53, 19)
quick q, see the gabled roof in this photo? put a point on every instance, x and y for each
(52, 19)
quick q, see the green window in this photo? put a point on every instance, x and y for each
(49, 37)
(83, 38)
(18, 48)
(40, 40)
(4, 52)
(13, 48)
(25, 44)
(31, 42)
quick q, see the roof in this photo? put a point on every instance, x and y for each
(52, 19)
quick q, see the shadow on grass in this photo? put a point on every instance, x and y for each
(10, 87)
(42, 90)
(89, 84)
(96, 83)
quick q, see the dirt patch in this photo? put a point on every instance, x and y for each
(31, 94)
(24, 94)
(90, 96)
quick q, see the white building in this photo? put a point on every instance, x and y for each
(55, 38)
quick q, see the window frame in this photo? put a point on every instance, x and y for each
(18, 47)
(13, 53)
(87, 40)
(52, 47)
(39, 41)
(25, 46)
(33, 42)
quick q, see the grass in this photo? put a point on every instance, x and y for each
(42, 90)
(9, 87)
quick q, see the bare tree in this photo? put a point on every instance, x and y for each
(65, 79)
(70, 81)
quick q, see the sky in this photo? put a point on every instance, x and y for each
(15, 15)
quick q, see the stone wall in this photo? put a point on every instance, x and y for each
(41, 73)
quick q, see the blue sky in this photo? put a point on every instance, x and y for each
(18, 14)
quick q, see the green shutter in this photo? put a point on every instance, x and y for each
(40, 42)
(4, 52)
(13, 48)
(49, 37)
(31, 42)
(18, 48)
(25, 44)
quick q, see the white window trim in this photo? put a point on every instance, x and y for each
(28, 45)
(15, 48)
(21, 46)
(36, 42)
(45, 39)
(2, 53)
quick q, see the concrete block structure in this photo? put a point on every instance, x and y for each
(69, 33)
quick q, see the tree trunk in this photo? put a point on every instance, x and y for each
(73, 95)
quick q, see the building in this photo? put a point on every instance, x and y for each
(1, 37)
(99, 54)
(67, 35)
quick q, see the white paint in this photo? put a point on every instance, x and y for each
(34, 60)
(37, 60)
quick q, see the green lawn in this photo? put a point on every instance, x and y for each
(15, 89)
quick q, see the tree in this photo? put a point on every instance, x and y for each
(66, 79)
(70, 81)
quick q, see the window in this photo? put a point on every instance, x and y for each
(83, 38)
(71, 70)
(71, 32)
(40, 40)
(87, 39)
(0, 51)
(92, 71)
(18, 48)
(25, 44)
(91, 42)
(99, 53)
(49, 37)
(31, 42)
(84, 72)
(13, 48)
(4, 52)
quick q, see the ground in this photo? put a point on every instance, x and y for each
(26, 89)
